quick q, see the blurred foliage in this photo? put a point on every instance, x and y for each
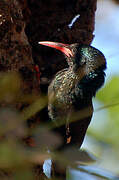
(17, 158)
(109, 96)
(106, 131)
(9, 86)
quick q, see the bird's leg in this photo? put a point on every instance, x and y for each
(68, 135)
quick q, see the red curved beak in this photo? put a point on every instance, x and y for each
(65, 48)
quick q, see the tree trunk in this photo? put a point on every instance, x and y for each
(23, 23)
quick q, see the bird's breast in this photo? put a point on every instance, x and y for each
(63, 88)
(65, 95)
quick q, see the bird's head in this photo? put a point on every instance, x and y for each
(85, 60)
(80, 56)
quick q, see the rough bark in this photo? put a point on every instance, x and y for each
(23, 23)
(49, 21)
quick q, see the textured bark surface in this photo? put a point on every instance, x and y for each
(23, 23)
(42, 20)
(15, 51)
(50, 21)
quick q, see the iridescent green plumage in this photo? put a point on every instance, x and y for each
(70, 92)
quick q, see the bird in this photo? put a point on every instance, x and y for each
(71, 90)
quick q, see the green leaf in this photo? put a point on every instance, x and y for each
(110, 93)
(9, 86)
(11, 155)
(35, 107)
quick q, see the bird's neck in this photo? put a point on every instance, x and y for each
(72, 61)
(78, 73)
(90, 83)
